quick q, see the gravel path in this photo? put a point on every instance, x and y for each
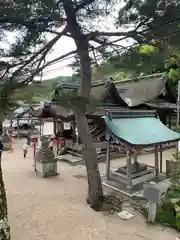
(55, 209)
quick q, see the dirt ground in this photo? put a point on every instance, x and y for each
(55, 208)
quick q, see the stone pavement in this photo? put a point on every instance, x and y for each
(55, 208)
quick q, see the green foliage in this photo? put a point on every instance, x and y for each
(147, 49)
(111, 69)
(167, 211)
(178, 221)
(153, 16)
(167, 206)
(173, 192)
(165, 214)
(175, 175)
(174, 76)
(159, 49)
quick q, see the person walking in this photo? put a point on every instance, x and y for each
(25, 146)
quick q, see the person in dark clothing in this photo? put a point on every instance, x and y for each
(1, 148)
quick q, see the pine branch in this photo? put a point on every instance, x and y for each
(47, 47)
(94, 35)
(83, 4)
(38, 70)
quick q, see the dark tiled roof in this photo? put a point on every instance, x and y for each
(52, 111)
(128, 93)
(98, 90)
(144, 89)
(161, 104)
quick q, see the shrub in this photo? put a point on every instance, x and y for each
(178, 221)
(167, 206)
(166, 214)
(173, 192)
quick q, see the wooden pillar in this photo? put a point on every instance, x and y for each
(61, 129)
(29, 118)
(135, 156)
(156, 161)
(42, 128)
(73, 131)
(54, 126)
(18, 126)
(129, 164)
(161, 158)
(107, 160)
(169, 116)
(31, 122)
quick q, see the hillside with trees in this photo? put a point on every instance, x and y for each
(35, 92)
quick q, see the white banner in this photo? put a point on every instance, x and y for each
(67, 126)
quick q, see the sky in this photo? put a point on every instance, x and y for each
(63, 46)
(66, 44)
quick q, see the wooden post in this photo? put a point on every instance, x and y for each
(156, 161)
(32, 125)
(18, 126)
(108, 161)
(54, 126)
(161, 159)
(42, 130)
(34, 149)
(11, 142)
(169, 120)
(135, 156)
(129, 163)
(73, 131)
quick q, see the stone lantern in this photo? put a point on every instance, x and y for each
(45, 162)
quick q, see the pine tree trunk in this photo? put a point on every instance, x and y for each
(4, 225)
(95, 190)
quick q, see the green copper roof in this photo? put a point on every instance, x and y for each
(139, 130)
